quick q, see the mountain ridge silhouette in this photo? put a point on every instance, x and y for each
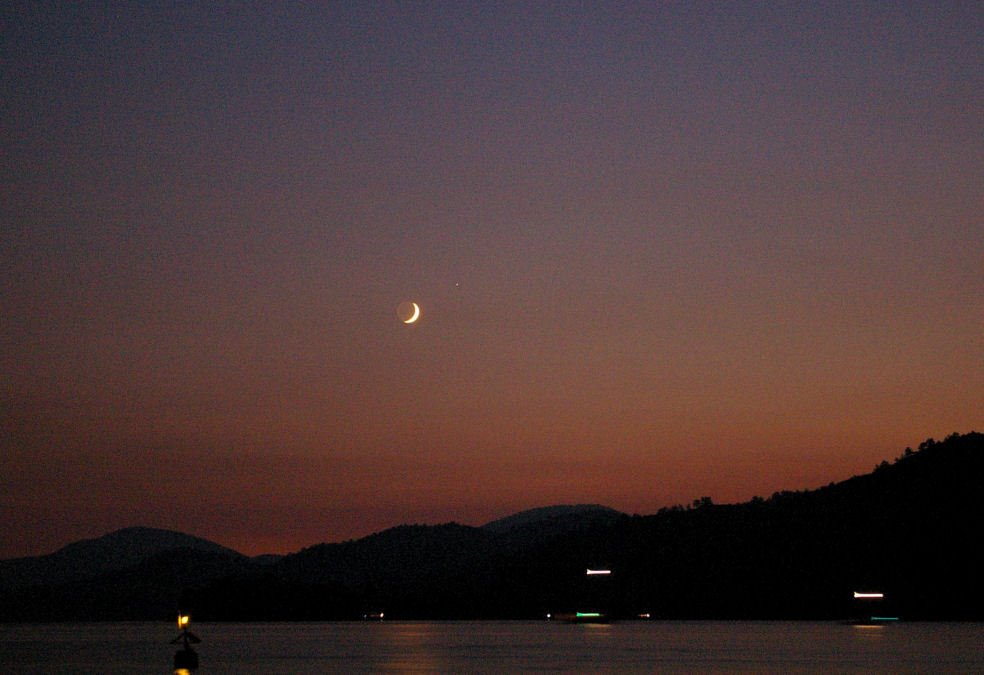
(907, 528)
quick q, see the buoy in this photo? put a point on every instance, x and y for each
(185, 658)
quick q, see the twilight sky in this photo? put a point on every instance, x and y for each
(662, 250)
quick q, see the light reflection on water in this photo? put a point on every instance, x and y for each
(497, 647)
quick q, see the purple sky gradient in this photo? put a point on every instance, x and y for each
(662, 251)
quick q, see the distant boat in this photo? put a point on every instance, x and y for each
(872, 620)
(581, 617)
(594, 596)
(870, 600)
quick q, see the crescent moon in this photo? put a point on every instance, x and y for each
(416, 313)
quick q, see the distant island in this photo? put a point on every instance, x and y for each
(907, 532)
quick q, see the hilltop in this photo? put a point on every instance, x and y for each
(92, 557)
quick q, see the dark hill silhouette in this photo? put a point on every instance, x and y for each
(908, 529)
(153, 588)
(397, 554)
(91, 557)
(397, 568)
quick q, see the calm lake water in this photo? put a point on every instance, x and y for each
(501, 647)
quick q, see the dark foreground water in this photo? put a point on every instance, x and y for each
(500, 647)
